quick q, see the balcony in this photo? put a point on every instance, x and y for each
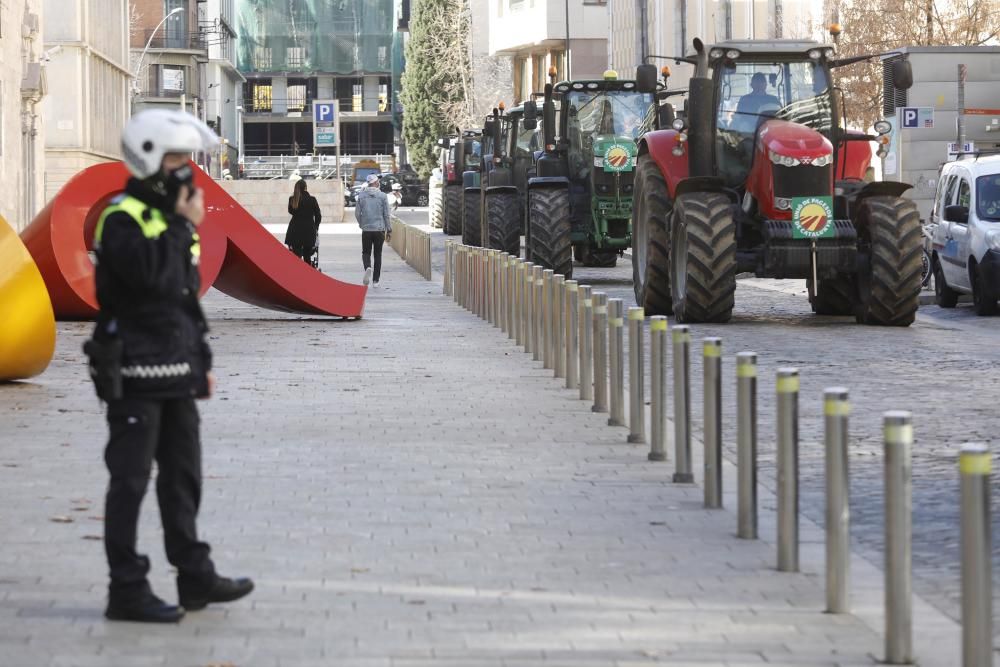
(264, 106)
(171, 40)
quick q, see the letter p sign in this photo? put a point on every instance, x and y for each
(910, 117)
(324, 113)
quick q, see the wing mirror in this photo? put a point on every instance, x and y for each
(902, 74)
(958, 214)
(645, 78)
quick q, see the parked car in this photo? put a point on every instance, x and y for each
(966, 242)
(415, 191)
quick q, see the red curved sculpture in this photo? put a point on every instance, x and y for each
(238, 256)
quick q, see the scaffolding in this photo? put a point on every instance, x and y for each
(330, 36)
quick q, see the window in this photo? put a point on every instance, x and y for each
(383, 97)
(175, 28)
(295, 57)
(964, 194)
(262, 58)
(680, 26)
(296, 97)
(260, 95)
(357, 96)
(988, 197)
(172, 80)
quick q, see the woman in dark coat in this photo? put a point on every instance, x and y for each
(304, 225)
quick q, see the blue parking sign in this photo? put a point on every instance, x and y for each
(325, 122)
(916, 117)
(323, 112)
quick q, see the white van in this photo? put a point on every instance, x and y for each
(966, 242)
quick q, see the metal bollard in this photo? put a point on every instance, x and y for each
(513, 281)
(600, 352)
(571, 332)
(537, 338)
(547, 356)
(681, 337)
(499, 262)
(585, 334)
(975, 466)
(462, 278)
(712, 375)
(836, 409)
(447, 268)
(788, 469)
(527, 310)
(616, 358)
(746, 445)
(898, 538)
(501, 290)
(636, 376)
(558, 337)
(658, 386)
(491, 282)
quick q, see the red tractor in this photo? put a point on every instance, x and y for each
(760, 176)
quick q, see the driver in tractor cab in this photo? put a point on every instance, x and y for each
(577, 162)
(758, 100)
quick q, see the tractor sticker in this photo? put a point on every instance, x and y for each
(812, 217)
(619, 157)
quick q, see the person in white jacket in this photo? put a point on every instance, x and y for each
(372, 214)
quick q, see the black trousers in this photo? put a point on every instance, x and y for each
(370, 240)
(142, 431)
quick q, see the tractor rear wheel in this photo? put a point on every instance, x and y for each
(436, 211)
(835, 296)
(889, 281)
(651, 240)
(453, 210)
(703, 258)
(472, 224)
(548, 215)
(503, 222)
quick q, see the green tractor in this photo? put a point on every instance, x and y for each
(579, 200)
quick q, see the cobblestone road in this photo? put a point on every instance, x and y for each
(945, 369)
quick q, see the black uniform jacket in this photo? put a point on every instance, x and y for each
(147, 288)
(302, 228)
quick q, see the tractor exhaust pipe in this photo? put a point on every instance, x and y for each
(700, 92)
(548, 118)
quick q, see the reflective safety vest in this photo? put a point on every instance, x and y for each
(150, 221)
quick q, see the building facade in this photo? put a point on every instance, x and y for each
(22, 87)
(293, 52)
(534, 34)
(223, 92)
(168, 49)
(86, 52)
(640, 28)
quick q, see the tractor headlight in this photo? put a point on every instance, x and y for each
(783, 203)
(678, 124)
(715, 54)
(732, 54)
(993, 239)
(815, 54)
(783, 160)
(883, 127)
(822, 160)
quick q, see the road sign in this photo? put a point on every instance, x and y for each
(326, 121)
(967, 147)
(917, 117)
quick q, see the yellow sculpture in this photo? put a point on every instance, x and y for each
(27, 323)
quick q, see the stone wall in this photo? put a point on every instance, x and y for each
(268, 200)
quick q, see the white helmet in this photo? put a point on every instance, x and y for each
(153, 133)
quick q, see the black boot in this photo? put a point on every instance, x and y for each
(146, 609)
(195, 596)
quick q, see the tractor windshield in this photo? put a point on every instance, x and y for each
(751, 92)
(618, 112)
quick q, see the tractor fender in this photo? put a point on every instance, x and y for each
(548, 182)
(659, 144)
(498, 189)
(704, 184)
(884, 189)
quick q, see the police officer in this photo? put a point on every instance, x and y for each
(150, 361)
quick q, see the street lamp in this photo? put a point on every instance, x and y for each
(138, 66)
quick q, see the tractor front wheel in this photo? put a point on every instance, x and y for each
(472, 225)
(436, 212)
(453, 210)
(651, 240)
(703, 258)
(503, 222)
(548, 215)
(889, 280)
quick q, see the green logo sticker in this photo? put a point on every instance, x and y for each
(812, 217)
(619, 157)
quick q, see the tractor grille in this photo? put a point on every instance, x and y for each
(604, 182)
(802, 181)
(617, 229)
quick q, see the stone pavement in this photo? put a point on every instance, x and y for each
(409, 489)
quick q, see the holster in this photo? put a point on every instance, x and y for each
(105, 365)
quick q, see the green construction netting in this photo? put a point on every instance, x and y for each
(335, 36)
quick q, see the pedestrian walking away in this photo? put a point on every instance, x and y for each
(149, 361)
(372, 214)
(303, 228)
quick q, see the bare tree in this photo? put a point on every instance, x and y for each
(883, 25)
